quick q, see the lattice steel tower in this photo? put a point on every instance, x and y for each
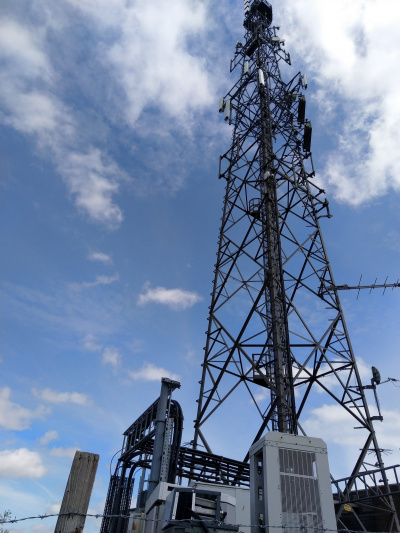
(276, 325)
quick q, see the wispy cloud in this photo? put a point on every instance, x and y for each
(166, 99)
(100, 280)
(21, 463)
(100, 256)
(52, 396)
(325, 420)
(153, 82)
(65, 310)
(175, 299)
(32, 107)
(27, 47)
(364, 369)
(111, 356)
(63, 452)
(263, 395)
(15, 417)
(93, 179)
(90, 344)
(150, 372)
(344, 45)
(48, 437)
(175, 82)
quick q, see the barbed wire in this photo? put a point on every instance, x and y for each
(206, 521)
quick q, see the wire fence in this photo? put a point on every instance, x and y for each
(276, 528)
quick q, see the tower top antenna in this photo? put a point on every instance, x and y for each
(256, 11)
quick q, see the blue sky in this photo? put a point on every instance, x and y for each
(110, 138)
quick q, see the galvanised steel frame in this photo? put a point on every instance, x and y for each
(138, 451)
(276, 325)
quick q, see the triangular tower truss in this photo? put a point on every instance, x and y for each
(276, 326)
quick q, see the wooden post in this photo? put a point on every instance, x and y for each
(77, 493)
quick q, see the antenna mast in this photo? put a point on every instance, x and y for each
(275, 325)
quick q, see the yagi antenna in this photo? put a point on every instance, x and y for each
(374, 285)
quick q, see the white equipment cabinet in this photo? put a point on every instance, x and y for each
(290, 485)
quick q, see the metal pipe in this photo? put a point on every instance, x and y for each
(166, 386)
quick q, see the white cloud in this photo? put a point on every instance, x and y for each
(167, 94)
(35, 113)
(174, 80)
(53, 396)
(325, 420)
(100, 280)
(336, 426)
(111, 356)
(32, 107)
(150, 372)
(100, 256)
(171, 78)
(63, 452)
(49, 436)
(364, 369)
(93, 179)
(25, 49)
(21, 463)
(175, 299)
(263, 395)
(15, 417)
(54, 508)
(174, 77)
(90, 344)
(388, 430)
(350, 50)
(29, 108)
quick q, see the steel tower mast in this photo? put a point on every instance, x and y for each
(275, 324)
